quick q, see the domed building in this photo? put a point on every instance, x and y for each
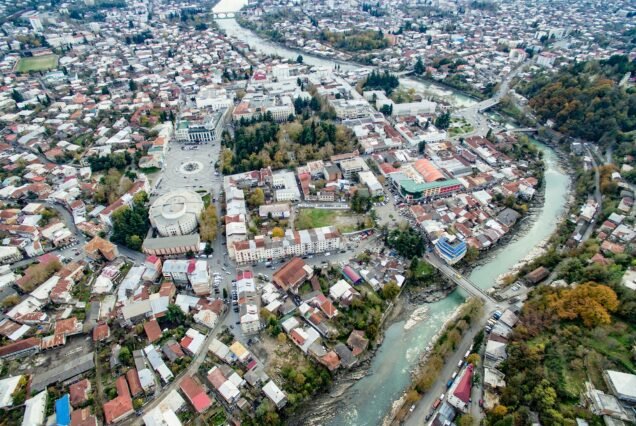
(176, 213)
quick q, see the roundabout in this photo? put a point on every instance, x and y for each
(190, 167)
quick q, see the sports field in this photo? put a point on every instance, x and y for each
(37, 63)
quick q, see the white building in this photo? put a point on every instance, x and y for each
(285, 186)
(176, 213)
(294, 243)
(274, 394)
(368, 178)
(36, 23)
(35, 413)
(208, 129)
(189, 273)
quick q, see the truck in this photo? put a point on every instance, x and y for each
(436, 403)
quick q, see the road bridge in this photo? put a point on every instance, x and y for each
(463, 282)
(522, 130)
(224, 15)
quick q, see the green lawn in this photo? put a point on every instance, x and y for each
(37, 63)
(150, 170)
(316, 218)
(344, 220)
(207, 199)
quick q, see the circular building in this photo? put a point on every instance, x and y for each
(176, 213)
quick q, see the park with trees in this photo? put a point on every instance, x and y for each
(130, 224)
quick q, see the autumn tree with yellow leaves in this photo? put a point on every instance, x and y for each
(590, 302)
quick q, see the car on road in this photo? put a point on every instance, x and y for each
(436, 404)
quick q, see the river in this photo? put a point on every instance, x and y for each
(370, 398)
(257, 43)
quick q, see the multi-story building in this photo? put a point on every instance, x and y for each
(249, 303)
(9, 254)
(285, 186)
(294, 243)
(189, 273)
(208, 129)
(176, 213)
(258, 105)
(450, 248)
(352, 166)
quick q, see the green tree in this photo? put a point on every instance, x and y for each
(443, 120)
(299, 59)
(390, 291)
(256, 198)
(381, 81)
(466, 420)
(174, 314)
(419, 66)
(17, 96)
(125, 357)
(134, 242)
(130, 224)
(408, 242)
(132, 86)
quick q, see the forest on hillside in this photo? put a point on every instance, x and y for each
(585, 100)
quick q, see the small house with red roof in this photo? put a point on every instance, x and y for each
(195, 393)
(459, 393)
(79, 392)
(101, 332)
(153, 331)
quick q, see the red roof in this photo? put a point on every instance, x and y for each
(18, 346)
(192, 266)
(122, 386)
(79, 392)
(117, 409)
(462, 391)
(195, 394)
(101, 332)
(216, 378)
(133, 382)
(153, 332)
(291, 274)
(185, 342)
(353, 276)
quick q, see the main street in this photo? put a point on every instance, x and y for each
(424, 406)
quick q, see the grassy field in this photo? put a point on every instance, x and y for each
(37, 63)
(316, 218)
(345, 221)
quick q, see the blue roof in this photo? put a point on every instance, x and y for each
(451, 250)
(63, 411)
